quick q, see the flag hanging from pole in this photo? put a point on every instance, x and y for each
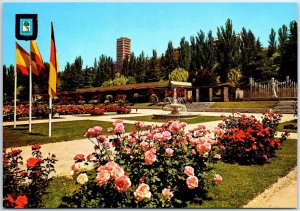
(37, 64)
(53, 66)
(22, 60)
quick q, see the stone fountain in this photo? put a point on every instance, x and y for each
(176, 106)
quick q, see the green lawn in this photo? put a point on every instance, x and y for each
(240, 183)
(246, 104)
(290, 126)
(61, 131)
(195, 120)
(145, 106)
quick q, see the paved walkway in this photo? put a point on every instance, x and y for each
(65, 151)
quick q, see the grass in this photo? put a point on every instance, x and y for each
(289, 125)
(240, 183)
(243, 183)
(195, 120)
(61, 131)
(246, 104)
(145, 106)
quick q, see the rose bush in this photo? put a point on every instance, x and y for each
(245, 139)
(161, 167)
(24, 188)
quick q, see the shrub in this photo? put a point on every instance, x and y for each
(162, 167)
(123, 110)
(97, 111)
(246, 140)
(24, 188)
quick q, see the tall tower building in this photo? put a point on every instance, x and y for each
(123, 49)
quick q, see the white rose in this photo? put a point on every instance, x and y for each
(82, 179)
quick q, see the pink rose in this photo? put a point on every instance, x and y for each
(203, 148)
(101, 138)
(90, 157)
(90, 132)
(102, 177)
(166, 135)
(119, 128)
(192, 182)
(131, 140)
(107, 145)
(128, 150)
(218, 179)
(169, 152)
(158, 137)
(142, 191)
(217, 156)
(144, 146)
(150, 157)
(194, 152)
(97, 129)
(140, 125)
(174, 127)
(167, 194)
(110, 165)
(118, 122)
(122, 184)
(116, 172)
(189, 171)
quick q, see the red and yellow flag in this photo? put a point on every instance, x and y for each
(53, 66)
(37, 64)
(22, 60)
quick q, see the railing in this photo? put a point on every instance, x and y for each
(273, 89)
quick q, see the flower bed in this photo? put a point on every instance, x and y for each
(245, 139)
(162, 167)
(24, 188)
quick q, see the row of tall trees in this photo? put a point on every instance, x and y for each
(229, 57)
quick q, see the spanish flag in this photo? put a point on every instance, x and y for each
(37, 64)
(53, 66)
(22, 60)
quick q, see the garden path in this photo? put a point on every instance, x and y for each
(65, 152)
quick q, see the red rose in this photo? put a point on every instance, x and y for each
(21, 201)
(33, 162)
(10, 199)
(79, 158)
(15, 152)
(36, 147)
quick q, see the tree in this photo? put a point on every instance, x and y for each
(272, 43)
(179, 74)
(140, 72)
(153, 70)
(169, 62)
(227, 49)
(234, 76)
(185, 54)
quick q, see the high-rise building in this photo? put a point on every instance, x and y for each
(123, 49)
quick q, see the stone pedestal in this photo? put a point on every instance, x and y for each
(197, 95)
(225, 94)
(210, 94)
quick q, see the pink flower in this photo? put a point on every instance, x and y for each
(110, 129)
(122, 184)
(169, 152)
(192, 182)
(131, 140)
(217, 156)
(102, 177)
(174, 127)
(167, 194)
(116, 172)
(101, 138)
(189, 171)
(203, 148)
(128, 150)
(150, 157)
(140, 125)
(194, 152)
(79, 158)
(118, 122)
(166, 135)
(107, 145)
(110, 165)
(144, 146)
(119, 128)
(218, 179)
(142, 191)
(90, 132)
(158, 137)
(90, 157)
(97, 129)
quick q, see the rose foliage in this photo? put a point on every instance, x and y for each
(24, 188)
(246, 140)
(162, 167)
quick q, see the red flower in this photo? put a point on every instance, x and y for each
(15, 152)
(10, 199)
(79, 158)
(21, 201)
(265, 157)
(33, 162)
(36, 147)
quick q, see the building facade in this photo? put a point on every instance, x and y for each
(123, 49)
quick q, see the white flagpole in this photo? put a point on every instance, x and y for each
(50, 115)
(30, 90)
(15, 99)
